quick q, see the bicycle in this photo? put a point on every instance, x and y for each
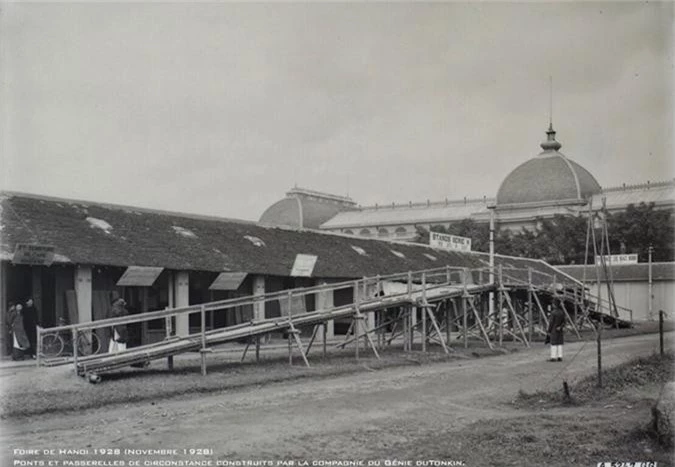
(60, 343)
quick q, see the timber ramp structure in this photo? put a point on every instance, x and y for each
(446, 306)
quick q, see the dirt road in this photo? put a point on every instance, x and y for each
(360, 416)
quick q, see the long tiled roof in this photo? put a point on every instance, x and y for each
(93, 233)
(661, 194)
(383, 216)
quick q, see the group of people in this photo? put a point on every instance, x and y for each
(22, 322)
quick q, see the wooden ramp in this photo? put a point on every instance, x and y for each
(175, 345)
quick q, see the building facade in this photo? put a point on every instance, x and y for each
(157, 259)
(543, 186)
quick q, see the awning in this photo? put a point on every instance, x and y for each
(228, 281)
(139, 276)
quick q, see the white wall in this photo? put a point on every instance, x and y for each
(635, 296)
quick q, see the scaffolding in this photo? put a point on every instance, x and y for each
(446, 307)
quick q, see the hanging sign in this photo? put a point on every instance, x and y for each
(303, 265)
(449, 242)
(228, 281)
(37, 255)
(617, 259)
(139, 276)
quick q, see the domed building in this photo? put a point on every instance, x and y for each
(305, 209)
(543, 186)
(549, 178)
(548, 184)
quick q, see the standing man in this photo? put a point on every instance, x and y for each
(556, 325)
(118, 308)
(20, 342)
(30, 321)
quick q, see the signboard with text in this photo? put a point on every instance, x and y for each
(303, 265)
(449, 242)
(617, 259)
(37, 255)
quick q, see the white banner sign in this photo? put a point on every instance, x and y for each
(139, 276)
(449, 242)
(303, 265)
(617, 259)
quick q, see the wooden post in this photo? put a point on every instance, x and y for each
(38, 351)
(357, 315)
(325, 330)
(447, 322)
(168, 331)
(202, 312)
(290, 349)
(257, 348)
(405, 328)
(530, 317)
(661, 331)
(599, 340)
(290, 321)
(500, 304)
(465, 324)
(75, 349)
(424, 314)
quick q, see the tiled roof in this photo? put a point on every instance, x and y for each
(624, 272)
(548, 177)
(661, 194)
(92, 233)
(305, 209)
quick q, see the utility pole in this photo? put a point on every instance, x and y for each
(651, 290)
(491, 295)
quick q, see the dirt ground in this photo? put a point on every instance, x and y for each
(438, 411)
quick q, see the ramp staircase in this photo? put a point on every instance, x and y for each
(459, 295)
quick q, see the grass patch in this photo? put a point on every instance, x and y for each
(636, 373)
(53, 390)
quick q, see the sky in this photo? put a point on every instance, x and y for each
(221, 108)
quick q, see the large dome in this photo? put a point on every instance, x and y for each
(549, 178)
(305, 209)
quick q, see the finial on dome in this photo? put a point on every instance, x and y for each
(550, 144)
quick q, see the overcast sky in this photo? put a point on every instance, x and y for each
(220, 108)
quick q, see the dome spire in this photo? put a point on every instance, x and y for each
(550, 144)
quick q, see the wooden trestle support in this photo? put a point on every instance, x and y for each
(437, 307)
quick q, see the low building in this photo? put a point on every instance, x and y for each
(157, 259)
(631, 286)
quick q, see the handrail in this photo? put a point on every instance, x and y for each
(430, 279)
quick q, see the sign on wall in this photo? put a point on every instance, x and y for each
(38, 255)
(139, 276)
(449, 242)
(228, 281)
(303, 265)
(617, 259)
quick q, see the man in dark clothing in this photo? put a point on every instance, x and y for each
(556, 326)
(118, 309)
(30, 321)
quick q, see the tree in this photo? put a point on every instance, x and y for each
(638, 227)
(562, 239)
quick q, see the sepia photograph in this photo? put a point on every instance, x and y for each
(337, 234)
